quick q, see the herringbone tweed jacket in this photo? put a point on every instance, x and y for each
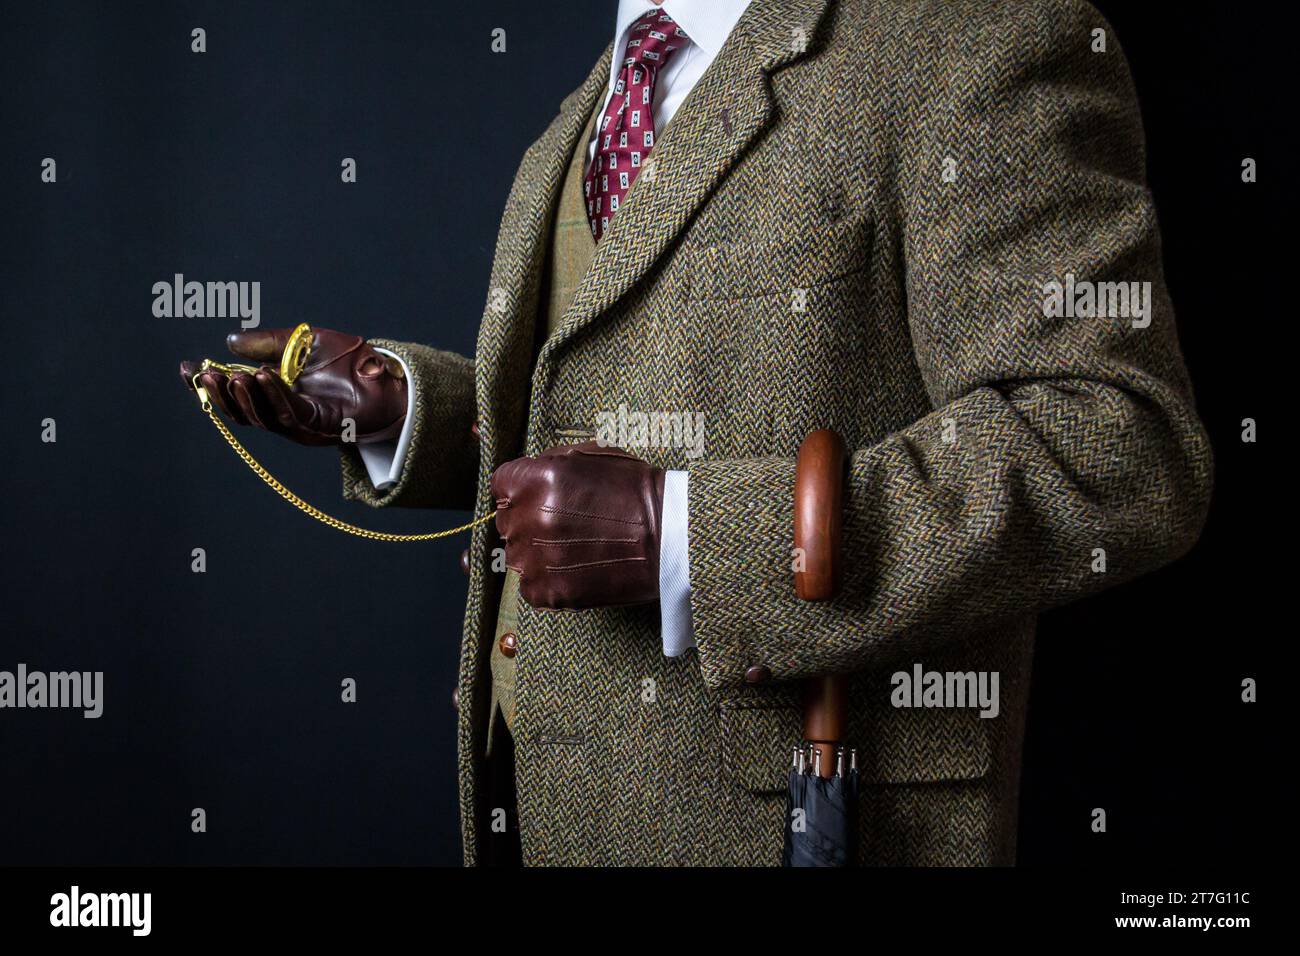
(850, 223)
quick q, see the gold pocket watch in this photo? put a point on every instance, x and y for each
(293, 360)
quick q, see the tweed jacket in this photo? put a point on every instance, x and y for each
(850, 223)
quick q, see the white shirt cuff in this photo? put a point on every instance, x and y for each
(675, 568)
(384, 459)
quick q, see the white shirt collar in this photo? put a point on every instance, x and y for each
(707, 22)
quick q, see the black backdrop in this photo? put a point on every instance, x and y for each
(222, 689)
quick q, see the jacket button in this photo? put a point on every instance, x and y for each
(455, 698)
(509, 643)
(473, 430)
(758, 674)
(464, 562)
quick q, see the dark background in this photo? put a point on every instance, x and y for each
(222, 689)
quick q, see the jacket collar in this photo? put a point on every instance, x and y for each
(729, 108)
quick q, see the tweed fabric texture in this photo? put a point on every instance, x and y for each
(850, 224)
(571, 244)
(570, 252)
(502, 667)
(441, 466)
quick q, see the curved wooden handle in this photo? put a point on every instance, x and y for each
(818, 524)
(818, 510)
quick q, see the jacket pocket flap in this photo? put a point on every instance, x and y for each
(894, 745)
(768, 266)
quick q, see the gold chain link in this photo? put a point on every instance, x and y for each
(314, 512)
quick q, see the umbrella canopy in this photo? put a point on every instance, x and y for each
(821, 813)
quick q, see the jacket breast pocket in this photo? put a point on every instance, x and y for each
(777, 266)
(895, 745)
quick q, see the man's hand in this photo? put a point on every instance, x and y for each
(344, 378)
(581, 526)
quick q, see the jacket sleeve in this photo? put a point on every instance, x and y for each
(1055, 443)
(441, 465)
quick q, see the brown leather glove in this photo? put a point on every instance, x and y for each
(581, 526)
(344, 378)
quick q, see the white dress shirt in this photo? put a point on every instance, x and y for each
(708, 23)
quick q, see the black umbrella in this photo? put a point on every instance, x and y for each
(821, 812)
(821, 815)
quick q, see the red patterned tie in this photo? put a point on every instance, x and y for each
(627, 130)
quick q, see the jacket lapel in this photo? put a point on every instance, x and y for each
(506, 333)
(728, 109)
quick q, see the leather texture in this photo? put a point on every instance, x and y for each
(807, 257)
(345, 378)
(581, 525)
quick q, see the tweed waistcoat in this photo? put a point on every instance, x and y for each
(571, 249)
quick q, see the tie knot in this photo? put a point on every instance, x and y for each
(654, 38)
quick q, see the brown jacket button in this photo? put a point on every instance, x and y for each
(455, 698)
(464, 561)
(473, 430)
(758, 674)
(509, 643)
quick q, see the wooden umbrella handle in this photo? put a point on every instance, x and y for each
(818, 523)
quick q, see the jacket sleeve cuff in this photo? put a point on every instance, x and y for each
(435, 462)
(384, 459)
(741, 575)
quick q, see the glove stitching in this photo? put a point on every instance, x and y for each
(590, 564)
(584, 514)
(562, 541)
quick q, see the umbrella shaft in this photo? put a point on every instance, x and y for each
(826, 764)
(825, 712)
